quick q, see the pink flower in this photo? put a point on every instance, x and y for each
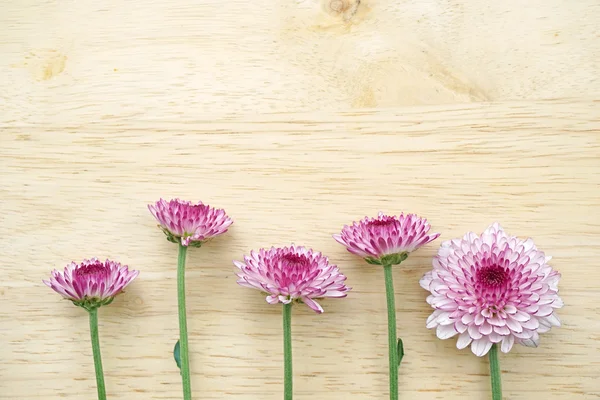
(492, 288)
(92, 283)
(189, 223)
(386, 236)
(291, 273)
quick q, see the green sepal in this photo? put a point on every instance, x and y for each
(390, 259)
(373, 261)
(92, 303)
(394, 259)
(177, 240)
(170, 237)
(177, 355)
(400, 350)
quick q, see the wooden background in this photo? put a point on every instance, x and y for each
(296, 117)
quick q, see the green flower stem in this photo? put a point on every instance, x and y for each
(183, 335)
(392, 339)
(97, 356)
(287, 352)
(495, 373)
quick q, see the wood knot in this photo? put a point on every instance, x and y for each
(339, 6)
(346, 8)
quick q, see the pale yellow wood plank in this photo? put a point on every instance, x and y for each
(71, 191)
(76, 60)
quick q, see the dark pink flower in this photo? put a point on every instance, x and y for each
(386, 236)
(189, 223)
(92, 283)
(492, 288)
(292, 273)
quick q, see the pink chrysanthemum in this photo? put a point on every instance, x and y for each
(189, 223)
(92, 283)
(292, 273)
(374, 238)
(492, 288)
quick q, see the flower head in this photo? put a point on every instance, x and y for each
(92, 283)
(386, 239)
(492, 288)
(291, 273)
(192, 224)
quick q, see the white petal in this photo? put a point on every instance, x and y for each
(533, 323)
(485, 328)
(513, 325)
(444, 318)
(523, 335)
(544, 311)
(496, 321)
(494, 337)
(460, 327)
(533, 342)
(501, 330)
(443, 303)
(432, 319)
(446, 331)
(558, 303)
(481, 347)
(544, 325)
(507, 343)
(553, 319)
(528, 244)
(425, 280)
(474, 332)
(463, 340)
(316, 307)
(521, 316)
(479, 319)
(510, 309)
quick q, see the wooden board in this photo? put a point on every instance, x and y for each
(71, 191)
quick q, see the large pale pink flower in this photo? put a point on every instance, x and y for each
(192, 224)
(292, 273)
(386, 236)
(92, 283)
(492, 288)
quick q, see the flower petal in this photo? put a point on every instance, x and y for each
(313, 305)
(446, 331)
(507, 343)
(463, 340)
(481, 346)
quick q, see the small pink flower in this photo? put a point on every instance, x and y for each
(375, 238)
(92, 283)
(292, 273)
(189, 223)
(492, 288)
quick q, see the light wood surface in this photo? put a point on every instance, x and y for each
(296, 117)
(69, 61)
(70, 193)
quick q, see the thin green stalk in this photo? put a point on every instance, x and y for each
(392, 339)
(495, 373)
(97, 355)
(183, 335)
(287, 352)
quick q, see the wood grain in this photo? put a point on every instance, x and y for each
(73, 60)
(71, 191)
(104, 107)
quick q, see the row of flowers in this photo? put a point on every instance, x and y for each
(491, 290)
